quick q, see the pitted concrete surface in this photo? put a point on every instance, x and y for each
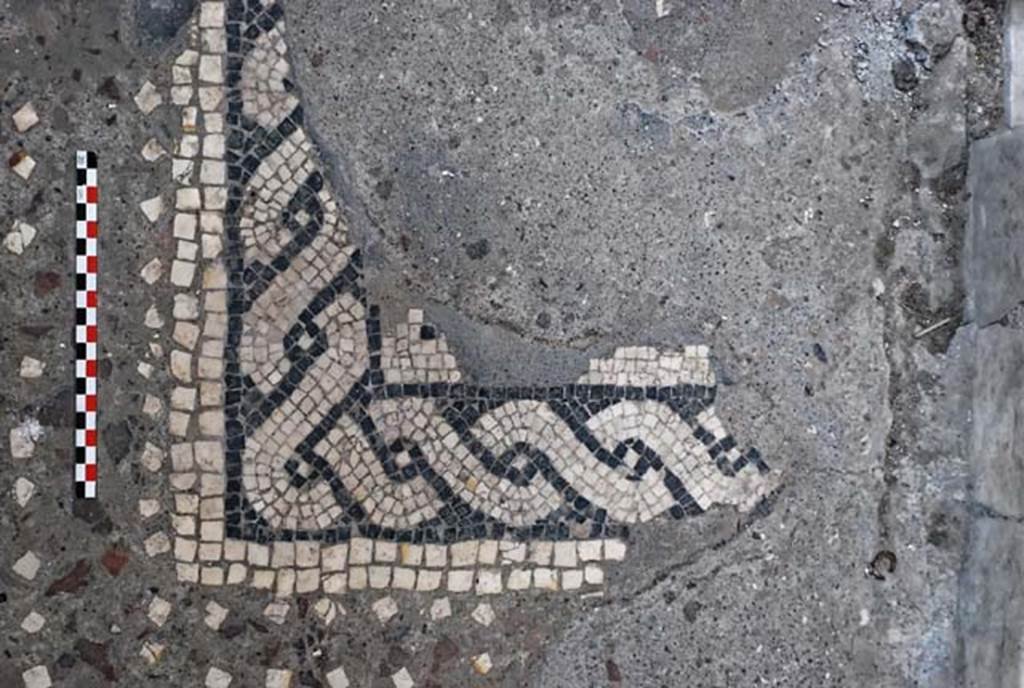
(785, 183)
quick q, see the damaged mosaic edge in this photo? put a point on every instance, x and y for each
(314, 450)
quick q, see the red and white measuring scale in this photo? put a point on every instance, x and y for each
(86, 241)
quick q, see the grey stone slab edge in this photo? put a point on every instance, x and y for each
(994, 250)
(991, 599)
(1013, 59)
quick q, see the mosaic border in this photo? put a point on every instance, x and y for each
(406, 477)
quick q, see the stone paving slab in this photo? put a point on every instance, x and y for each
(994, 252)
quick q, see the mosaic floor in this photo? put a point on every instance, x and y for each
(313, 448)
(429, 344)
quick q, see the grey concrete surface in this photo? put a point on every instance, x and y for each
(785, 182)
(659, 180)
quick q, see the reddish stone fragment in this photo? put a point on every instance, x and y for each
(114, 559)
(95, 655)
(73, 581)
(614, 675)
(35, 330)
(46, 282)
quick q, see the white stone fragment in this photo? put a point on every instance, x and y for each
(513, 551)
(488, 582)
(572, 580)
(189, 118)
(159, 610)
(151, 271)
(182, 273)
(187, 198)
(519, 579)
(212, 172)
(13, 243)
(428, 581)
(483, 614)
(181, 365)
(181, 75)
(565, 554)
(20, 236)
(152, 457)
(333, 558)
(24, 437)
(33, 623)
(181, 170)
(540, 552)
(545, 579)
(326, 610)
(279, 678)
(144, 369)
(385, 608)
(156, 544)
(27, 231)
(360, 551)
(402, 679)
(215, 615)
(148, 508)
(215, 40)
(213, 146)
(153, 320)
(185, 226)
(593, 574)
(217, 678)
(440, 609)
(181, 95)
(152, 406)
(460, 580)
(151, 652)
(481, 664)
(403, 578)
(188, 58)
(37, 677)
(211, 15)
(23, 491)
(24, 166)
(210, 97)
(152, 151)
(336, 678)
(31, 367)
(589, 550)
(210, 69)
(148, 98)
(277, 611)
(152, 207)
(464, 553)
(614, 550)
(25, 118)
(214, 122)
(188, 146)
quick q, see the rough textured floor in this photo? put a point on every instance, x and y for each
(627, 201)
